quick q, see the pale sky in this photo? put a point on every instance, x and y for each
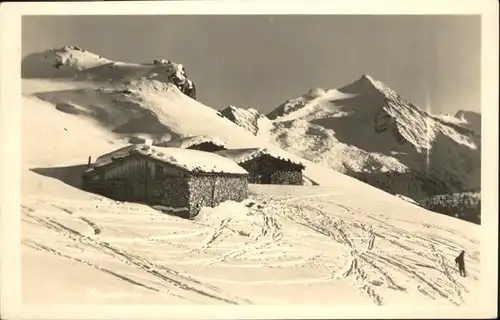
(261, 61)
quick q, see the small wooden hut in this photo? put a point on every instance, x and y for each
(181, 179)
(267, 167)
(201, 143)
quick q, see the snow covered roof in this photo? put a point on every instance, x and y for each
(187, 142)
(186, 159)
(243, 155)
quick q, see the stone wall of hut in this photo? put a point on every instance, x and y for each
(211, 190)
(171, 191)
(290, 177)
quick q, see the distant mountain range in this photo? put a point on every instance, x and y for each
(138, 102)
(368, 131)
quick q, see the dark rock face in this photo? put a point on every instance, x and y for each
(188, 88)
(161, 62)
(176, 74)
(185, 85)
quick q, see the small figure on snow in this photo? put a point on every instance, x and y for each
(460, 261)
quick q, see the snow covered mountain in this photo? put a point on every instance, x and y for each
(368, 131)
(320, 242)
(78, 63)
(464, 118)
(250, 119)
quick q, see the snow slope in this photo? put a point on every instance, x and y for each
(285, 245)
(78, 63)
(140, 107)
(63, 62)
(368, 131)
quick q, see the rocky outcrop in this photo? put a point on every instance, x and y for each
(250, 119)
(176, 74)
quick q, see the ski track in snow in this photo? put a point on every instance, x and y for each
(361, 239)
(381, 263)
(170, 277)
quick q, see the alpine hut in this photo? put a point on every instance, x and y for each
(182, 180)
(267, 166)
(201, 143)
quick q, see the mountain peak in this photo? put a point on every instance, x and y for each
(367, 77)
(364, 84)
(369, 80)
